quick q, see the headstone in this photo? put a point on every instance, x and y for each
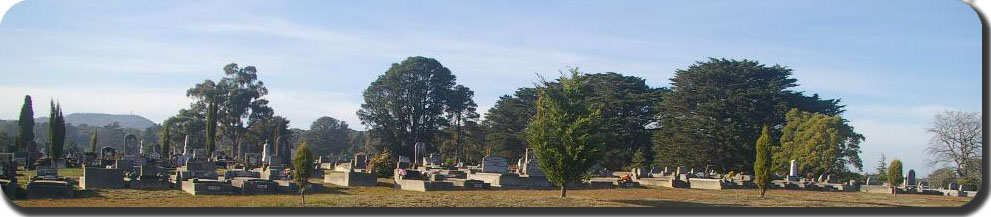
(793, 171)
(431, 160)
(494, 164)
(131, 146)
(252, 159)
(418, 150)
(266, 153)
(360, 161)
(910, 178)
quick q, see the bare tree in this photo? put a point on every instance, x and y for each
(957, 140)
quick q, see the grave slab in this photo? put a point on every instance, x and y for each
(101, 178)
(351, 179)
(247, 185)
(207, 186)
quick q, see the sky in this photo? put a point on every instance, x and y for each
(895, 64)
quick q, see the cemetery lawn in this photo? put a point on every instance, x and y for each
(385, 196)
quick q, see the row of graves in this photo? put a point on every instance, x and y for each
(265, 173)
(349, 173)
(683, 177)
(427, 173)
(824, 182)
(48, 183)
(132, 169)
(911, 185)
(193, 171)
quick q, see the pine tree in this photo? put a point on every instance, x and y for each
(25, 130)
(762, 165)
(303, 163)
(565, 132)
(881, 169)
(93, 140)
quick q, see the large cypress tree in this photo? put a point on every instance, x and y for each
(25, 130)
(762, 165)
(406, 105)
(93, 140)
(56, 133)
(716, 109)
(211, 127)
(565, 134)
(629, 105)
(506, 120)
(165, 139)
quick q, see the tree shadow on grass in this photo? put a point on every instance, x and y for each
(859, 202)
(88, 194)
(329, 189)
(671, 203)
(386, 184)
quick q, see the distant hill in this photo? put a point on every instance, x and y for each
(94, 119)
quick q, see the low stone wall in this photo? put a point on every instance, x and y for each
(664, 181)
(342, 167)
(351, 179)
(423, 186)
(497, 179)
(199, 186)
(95, 178)
(712, 184)
(254, 186)
(49, 189)
(876, 189)
(149, 183)
(465, 184)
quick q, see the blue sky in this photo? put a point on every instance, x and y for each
(893, 63)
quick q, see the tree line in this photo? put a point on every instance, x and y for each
(711, 115)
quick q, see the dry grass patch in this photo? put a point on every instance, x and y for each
(385, 196)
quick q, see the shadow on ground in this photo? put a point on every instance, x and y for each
(859, 203)
(671, 203)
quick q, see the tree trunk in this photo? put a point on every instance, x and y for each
(302, 197)
(564, 191)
